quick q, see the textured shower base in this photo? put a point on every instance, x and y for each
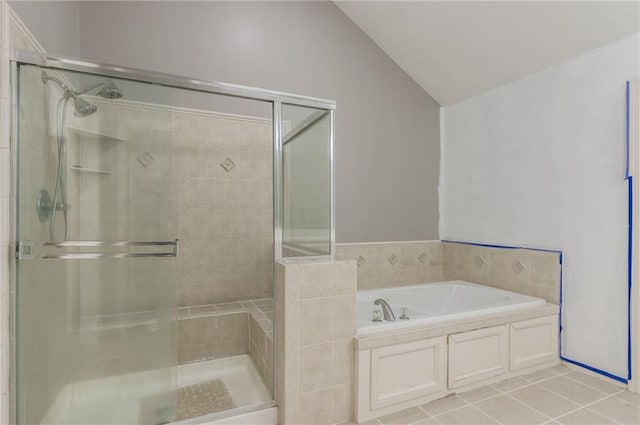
(203, 398)
(137, 400)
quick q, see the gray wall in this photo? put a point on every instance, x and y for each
(53, 23)
(387, 134)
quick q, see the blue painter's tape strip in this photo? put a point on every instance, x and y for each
(594, 369)
(630, 236)
(629, 275)
(627, 126)
(505, 247)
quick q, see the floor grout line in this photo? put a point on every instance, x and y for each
(530, 407)
(586, 406)
(486, 414)
(447, 411)
(527, 383)
(590, 386)
(603, 415)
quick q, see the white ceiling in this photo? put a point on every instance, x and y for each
(456, 50)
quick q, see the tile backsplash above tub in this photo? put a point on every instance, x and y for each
(387, 264)
(526, 271)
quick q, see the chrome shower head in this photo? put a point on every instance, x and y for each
(82, 107)
(110, 90)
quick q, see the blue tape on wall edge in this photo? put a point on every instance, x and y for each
(630, 276)
(627, 125)
(561, 300)
(594, 369)
(630, 235)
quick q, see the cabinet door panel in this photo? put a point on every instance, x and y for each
(477, 355)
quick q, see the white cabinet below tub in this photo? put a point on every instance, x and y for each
(533, 342)
(478, 355)
(402, 375)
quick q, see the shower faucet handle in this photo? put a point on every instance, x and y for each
(376, 315)
(404, 311)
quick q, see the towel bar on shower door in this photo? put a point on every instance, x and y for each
(25, 249)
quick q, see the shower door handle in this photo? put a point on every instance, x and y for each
(26, 250)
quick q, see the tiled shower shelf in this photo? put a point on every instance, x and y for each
(89, 170)
(101, 137)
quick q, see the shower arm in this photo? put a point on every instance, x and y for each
(67, 91)
(89, 88)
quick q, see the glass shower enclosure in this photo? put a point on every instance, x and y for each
(150, 211)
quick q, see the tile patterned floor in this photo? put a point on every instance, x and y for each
(559, 395)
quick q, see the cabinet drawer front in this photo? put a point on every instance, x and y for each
(406, 371)
(477, 355)
(533, 342)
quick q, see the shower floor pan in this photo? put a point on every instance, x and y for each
(87, 402)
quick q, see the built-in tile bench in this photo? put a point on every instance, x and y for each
(215, 331)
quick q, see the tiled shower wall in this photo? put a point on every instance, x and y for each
(220, 168)
(526, 271)
(224, 179)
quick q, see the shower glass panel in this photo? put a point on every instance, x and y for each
(95, 275)
(306, 194)
(112, 325)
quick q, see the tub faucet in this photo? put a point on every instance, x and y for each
(387, 312)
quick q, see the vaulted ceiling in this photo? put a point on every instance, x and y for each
(457, 50)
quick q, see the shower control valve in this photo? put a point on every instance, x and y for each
(44, 205)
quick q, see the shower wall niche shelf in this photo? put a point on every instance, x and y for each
(89, 170)
(101, 137)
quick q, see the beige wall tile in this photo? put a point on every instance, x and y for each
(292, 325)
(315, 281)
(344, 316)
(316, 407)
(316, 367)
(343, 361)
(291, 371)
(315, 315)
(344, 278)
(342, 403)
(525, 271)
(396, 263)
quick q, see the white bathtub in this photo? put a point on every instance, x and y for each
(437, 302)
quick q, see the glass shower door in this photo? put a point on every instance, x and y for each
(95, 274)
